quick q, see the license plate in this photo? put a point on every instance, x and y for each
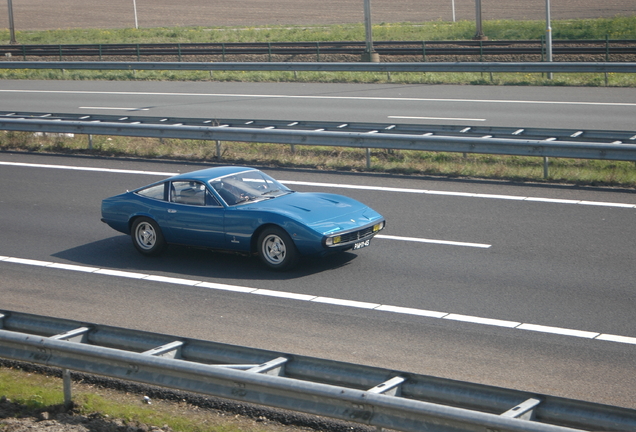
(361, 244)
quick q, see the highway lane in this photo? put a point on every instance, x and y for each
(552, 264)
(544, 107)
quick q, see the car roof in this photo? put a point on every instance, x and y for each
(211, 173)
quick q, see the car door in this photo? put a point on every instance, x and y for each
(194, 216)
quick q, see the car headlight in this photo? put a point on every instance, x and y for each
(333, 240)
(378, 227)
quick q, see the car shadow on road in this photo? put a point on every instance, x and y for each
(118, 253)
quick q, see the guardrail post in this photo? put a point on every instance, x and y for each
(66, 378)
(223, 51)
(218, 150)
(318, 51)
(90, 141)
(179, 50)
(546, 164)
(607, 58)
(269, 51)
(423, 50)
(60, 47)
(368, 158)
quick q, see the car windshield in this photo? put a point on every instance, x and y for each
(248, 186)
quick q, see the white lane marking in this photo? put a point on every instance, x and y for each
(480, 320)
(411, 311)
(559, 331)
(78, 168)
(283, 294)
(116, 108)
(347, 186)
(437, 118)
(616, 338)
(348, 303)
(441, 242)
(279, 96)
(329, 300)
(458, 194)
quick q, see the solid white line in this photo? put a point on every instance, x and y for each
(441, 242)
(411, 311)
(479, 320)
(348, 186)
(176, 281)
(437, 118)
(115, 108)
(224, 287)
(615, 338)
(457, 194)
(279, 96)
(348, 303)
(282, 294)
(558, 330)
(331, 301)
(78, 168)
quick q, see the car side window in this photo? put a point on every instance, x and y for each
(191, 193)
(154, 192)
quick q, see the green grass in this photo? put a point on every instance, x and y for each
(400, 162)
(614, 28)
(35, 393)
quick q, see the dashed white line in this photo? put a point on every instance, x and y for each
(438, 118)
(116, 108)
(317, 97)
(331, 301)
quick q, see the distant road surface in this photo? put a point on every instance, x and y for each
(66, 14)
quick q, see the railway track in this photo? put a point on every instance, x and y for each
(605, 50)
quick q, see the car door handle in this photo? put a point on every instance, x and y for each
(172, 211)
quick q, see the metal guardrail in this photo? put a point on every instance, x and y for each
(607, 145)
(606, 48)
(521, 67)
(372, 396)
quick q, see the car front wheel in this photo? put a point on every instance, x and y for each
(276, 249)
(147, 237)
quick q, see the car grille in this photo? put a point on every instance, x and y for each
(356, 235)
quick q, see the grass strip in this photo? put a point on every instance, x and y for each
(29, 398)
(620, 27)
(401, 162)
(597, 29)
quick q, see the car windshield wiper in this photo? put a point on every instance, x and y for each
(270, 192)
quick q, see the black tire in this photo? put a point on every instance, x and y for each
(277, 250)
(147, 237)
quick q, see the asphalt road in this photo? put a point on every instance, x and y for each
(541, 107)
(547, 307)
(565, 267)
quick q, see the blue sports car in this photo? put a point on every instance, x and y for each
(241, 210)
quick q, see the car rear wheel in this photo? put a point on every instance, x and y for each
(147, 237)
(276, 249)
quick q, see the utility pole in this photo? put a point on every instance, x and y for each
(11, 25)
(135, 9)
(479, 35)
(548, 34)
(370, 55)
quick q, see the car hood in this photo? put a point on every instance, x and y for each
(325, 213)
